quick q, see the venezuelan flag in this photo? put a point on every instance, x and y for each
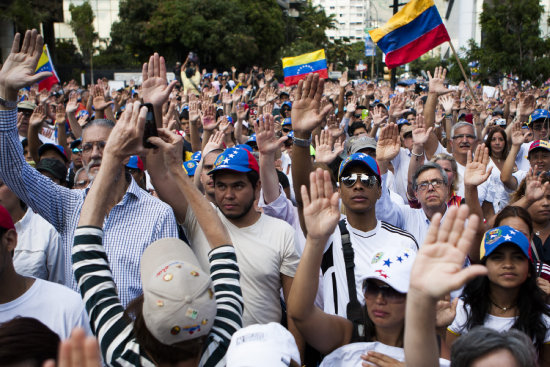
(297, 68)
(45, 64)
(413, 31)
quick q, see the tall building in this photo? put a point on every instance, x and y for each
(105, 11)
(350, 15)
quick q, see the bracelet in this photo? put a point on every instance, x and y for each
(304, 143)
(417, 155)
(10, 105)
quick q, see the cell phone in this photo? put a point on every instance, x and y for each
(150, 126)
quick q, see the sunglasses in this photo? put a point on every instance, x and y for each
(368, 181)
(76, 151)
(285, 130)
(373, 290)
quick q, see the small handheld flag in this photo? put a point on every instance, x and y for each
(297, 68)
(45, 64)
(414, 30)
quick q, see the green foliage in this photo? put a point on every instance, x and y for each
(511, 40)
(82, 17)
(67, 60)
(222, 33)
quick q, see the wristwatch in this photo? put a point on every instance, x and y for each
(304, 143)
(8, 104)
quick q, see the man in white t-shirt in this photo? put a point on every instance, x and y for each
(264, 245)
(538, 126)
(56, 306)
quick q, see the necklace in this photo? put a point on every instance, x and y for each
(503, 308)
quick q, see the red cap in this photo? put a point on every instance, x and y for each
(5, 219)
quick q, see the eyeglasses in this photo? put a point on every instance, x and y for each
(423, 186)
(76, 151)
(373, 290)
(462, 136)
(26, 112)
(366, 180)
(87, 148)
(81, 184)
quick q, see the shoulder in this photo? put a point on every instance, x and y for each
(398, 233)
(275, 225)
(46, 290)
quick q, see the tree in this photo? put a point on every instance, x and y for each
(511, 41)
(82, 18)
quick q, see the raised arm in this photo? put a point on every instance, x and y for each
(508, 168)
(322, 331)
(268, 145)
(194, 119)
(436, 89)
(437, 270)
(71, 108)
(155, 88)
(35, 125)
(475, 174)
(306, 116)
(420, 137)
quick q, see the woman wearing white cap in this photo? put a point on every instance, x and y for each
(385, 290)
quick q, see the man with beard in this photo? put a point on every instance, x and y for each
(264, 245)
(136, 219)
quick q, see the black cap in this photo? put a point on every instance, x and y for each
(54, 166)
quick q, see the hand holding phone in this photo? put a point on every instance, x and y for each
(150, 126)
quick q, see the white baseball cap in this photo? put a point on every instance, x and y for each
(178, 299)
(392, 265)
(269, 345)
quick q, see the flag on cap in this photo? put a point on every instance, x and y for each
(297, 68)
(45, 64)
(410, 33)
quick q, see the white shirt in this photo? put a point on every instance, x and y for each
(460, 184)
(56, 306)
(38, 253)
(364, 245)
(265, 251)
(350, 355)
(401, 171)
(521, 159)
(500, 324)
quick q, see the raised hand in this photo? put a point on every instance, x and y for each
(209, 117)
(438, 267)
(99, 99)
(527, 104)
(155, 88)
(476, 169)
(534, 189)
(241, 112)
(397, 107)
(436, 81)
(262, 99)
(268, 144)
(126, 139)
(378, 116)
(169, 153)
(324, 152)
(388, 144)
(271, 95)
(344, 79)
(419, 133)
(334, 127)
(18, 70)
(306, 114)
(38, 116)
(447, 103)
(194, 111)
(321, 212)
(269, 75)
(215, 142)
(518, 136)
(237, 95)
(445, 312)
(226, 97)
(60, 114)
(352, 105)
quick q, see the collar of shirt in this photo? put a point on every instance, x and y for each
(132, 190)
(24, 222)
(427, 221)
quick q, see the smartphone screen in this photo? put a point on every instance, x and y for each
(150, 126)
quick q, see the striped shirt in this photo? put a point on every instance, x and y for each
(135, 222)
(115, 332)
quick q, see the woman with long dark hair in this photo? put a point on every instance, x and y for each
(497, 144)
(508, 296)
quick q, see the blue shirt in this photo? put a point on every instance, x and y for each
(135, 222)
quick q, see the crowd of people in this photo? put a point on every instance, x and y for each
(225, 219)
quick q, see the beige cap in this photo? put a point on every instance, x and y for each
(179, 302)
(26, 105)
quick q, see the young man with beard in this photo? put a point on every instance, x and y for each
(264, 245)
(136, 219)
(359, 188)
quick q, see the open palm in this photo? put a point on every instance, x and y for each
(388, 144)
(306, 113)
(321, 213)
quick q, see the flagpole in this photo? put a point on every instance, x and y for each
(463, 72)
